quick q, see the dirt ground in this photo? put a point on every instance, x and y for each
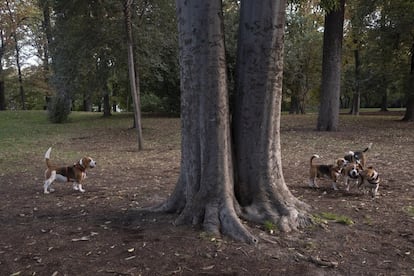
(103, 232)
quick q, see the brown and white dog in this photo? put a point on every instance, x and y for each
(75, 173)
(358, 157)
(330, 171)
(351, 172)
(370, 179)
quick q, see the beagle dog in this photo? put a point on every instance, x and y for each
(330, 171)
(351, 172)
(75, 173)
(370, 179)
(358, 157)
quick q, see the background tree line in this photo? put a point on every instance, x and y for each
(81, 54)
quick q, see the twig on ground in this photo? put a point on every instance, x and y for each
(316, 260)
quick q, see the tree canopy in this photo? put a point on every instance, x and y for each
(77, 49)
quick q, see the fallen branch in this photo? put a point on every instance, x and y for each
(317, 260)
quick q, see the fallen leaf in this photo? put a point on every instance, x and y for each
(80, 239)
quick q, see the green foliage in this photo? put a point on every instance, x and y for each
(303, 56)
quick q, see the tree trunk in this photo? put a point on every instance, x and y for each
(2, 90)
(19, 72)
(356, 98)
(106, 104)
(331, 70)
(205, 192)
(47, 29)
(409, 112)
(133, 75)
(260, 187)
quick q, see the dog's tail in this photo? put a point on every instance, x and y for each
(47, 157)
(368, 147)
(313, 156)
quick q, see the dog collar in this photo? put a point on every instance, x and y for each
(79, 166)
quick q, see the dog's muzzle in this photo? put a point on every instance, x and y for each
(353, 173)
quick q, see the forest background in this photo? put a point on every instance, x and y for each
(78, 48)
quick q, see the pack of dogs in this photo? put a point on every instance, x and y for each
(352, 168)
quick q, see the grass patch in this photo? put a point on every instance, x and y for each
(409, 210)
(327, 216)
(270, 227)
(29, 133)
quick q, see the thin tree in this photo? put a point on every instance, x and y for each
(409, 112)
(328, 117)
(205, 192)
(133, 75)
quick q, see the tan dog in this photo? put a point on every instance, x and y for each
(370, 179)
(358, 157)
(75, 173)
(330, 171)
(351, 172)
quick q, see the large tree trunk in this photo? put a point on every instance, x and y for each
(260, 186)
(328, 118)
(205, 192)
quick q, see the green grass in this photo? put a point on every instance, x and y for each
(26, 133)
(409, 210)
(327, 216)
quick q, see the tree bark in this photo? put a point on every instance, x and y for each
(206, 179)
(205, 193)
(260, 186)
(328, 117)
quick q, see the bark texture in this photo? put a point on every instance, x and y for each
(331, 70)
(260, 185)
(205, 193)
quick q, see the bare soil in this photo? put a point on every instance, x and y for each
(103, 231)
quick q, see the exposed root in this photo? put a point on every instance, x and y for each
(287, 220)
(232, 226)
